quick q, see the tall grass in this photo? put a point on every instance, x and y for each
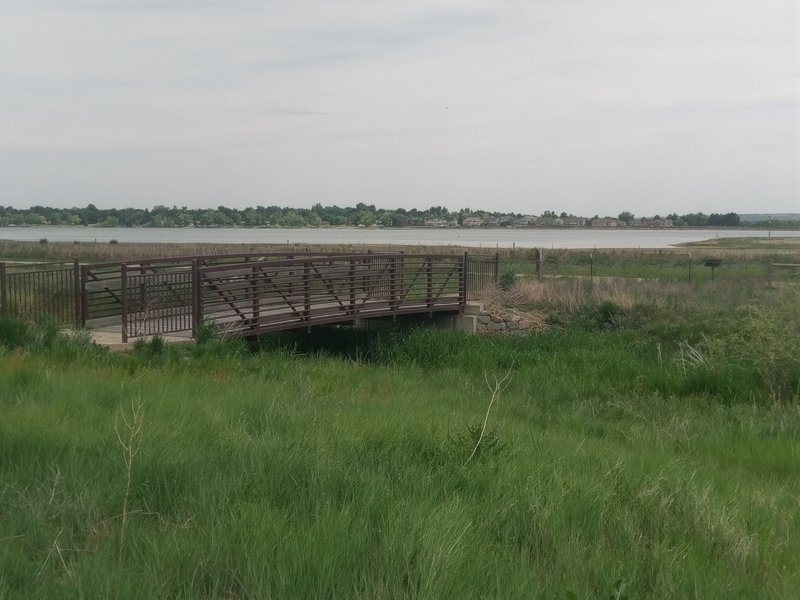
(337, 465)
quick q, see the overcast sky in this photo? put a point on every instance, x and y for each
(585, 106)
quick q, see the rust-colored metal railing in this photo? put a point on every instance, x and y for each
(47, 292)
(247, 299)
(247, 294)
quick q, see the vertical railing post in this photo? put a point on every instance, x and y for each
(3, 291)
(393, 284)
(400, 285)
(143, 288)
(123, 286)
(352, 277)
(368, 283)
(690, 267)
(76, 282)
(462, 284)
(307, 292)
(84, 295)
(256, 299)
(196, 295)
(429, 278)
(496, 267)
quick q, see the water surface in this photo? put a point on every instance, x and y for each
(478, 238)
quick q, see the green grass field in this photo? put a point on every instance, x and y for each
(639, 448)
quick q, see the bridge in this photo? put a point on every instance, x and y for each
(245, 294)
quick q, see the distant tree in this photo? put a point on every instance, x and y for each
(726, 220)
(694, 220)
(293, 219)
(626, 216)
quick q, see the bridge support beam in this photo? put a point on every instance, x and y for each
(439, 320)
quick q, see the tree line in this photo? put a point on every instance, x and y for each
(361, 214)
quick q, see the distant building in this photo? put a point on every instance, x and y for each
(507, 220)
(472, 222)
(607, 222)
(526, 221)
(575, 222)
(491, 222)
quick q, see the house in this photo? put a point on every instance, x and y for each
(507, 220)
(575, 222)
(607, 222)
(472, 222)
(526, 221)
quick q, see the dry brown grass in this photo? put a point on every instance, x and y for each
(574, 294)
(105, 252)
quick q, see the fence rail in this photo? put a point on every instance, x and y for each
(247, 294)
(52, 294)
(248, 300)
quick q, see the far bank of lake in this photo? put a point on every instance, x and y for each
(477, 238)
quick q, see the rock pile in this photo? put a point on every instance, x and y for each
(489, 322)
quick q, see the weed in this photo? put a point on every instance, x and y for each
(129, 438)
(608, 315)
(495, 389)
(507, 279)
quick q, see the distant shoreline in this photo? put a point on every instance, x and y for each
(412, 228)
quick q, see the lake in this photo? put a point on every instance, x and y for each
(477, 238)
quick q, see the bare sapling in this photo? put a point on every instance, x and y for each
(495, 389)
(129, 437)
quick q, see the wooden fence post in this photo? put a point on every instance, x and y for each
(539, 258)
(496, 267)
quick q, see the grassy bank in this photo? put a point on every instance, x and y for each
(645, 444)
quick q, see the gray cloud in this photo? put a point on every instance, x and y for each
(588, 107)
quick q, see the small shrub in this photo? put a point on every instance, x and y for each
(46, 334)
(13, 333)
(462, 444)
(507, 279)
(150, 349)
(767, 340)
(608, 315)
(42, 241)
(206, 332)
(113, 241)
